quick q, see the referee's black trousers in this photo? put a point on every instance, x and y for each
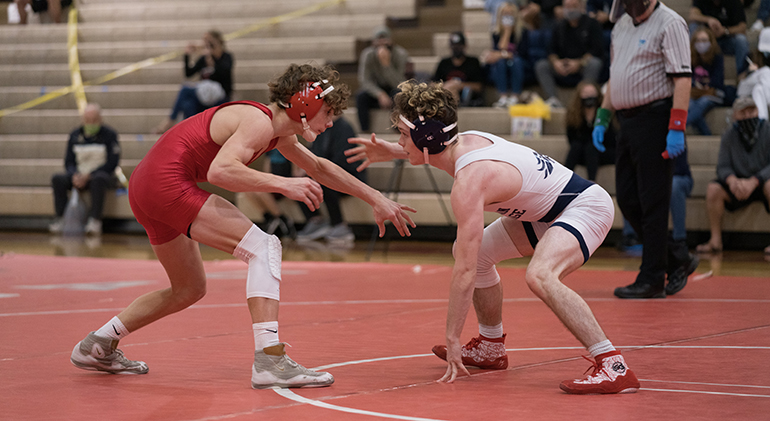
(643, 184)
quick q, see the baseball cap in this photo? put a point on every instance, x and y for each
(742, 103)
(381, 32)
(457, 38)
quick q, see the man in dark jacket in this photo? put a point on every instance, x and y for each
(92, 155)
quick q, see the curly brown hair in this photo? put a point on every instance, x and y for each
(296, 77)
(429, 100)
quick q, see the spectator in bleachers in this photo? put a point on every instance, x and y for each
(533, 46)
(331, 145)
(575, 53)
(214, 66)
(90, 160)
(381, 67)
(461, 74)
(727, 20)
(550, 12)
(743, 170)
(762, 14)
(708, 79)
(53, 7)
(757, 83)
(504, 71)
(600, 10)
(581, 113)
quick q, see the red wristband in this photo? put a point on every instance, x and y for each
(678, 120)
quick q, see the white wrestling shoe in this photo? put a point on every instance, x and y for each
(273, 368)
(101, 354)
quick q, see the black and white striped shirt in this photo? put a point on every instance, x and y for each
(644, 58)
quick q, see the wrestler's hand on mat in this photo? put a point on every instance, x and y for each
(305, 190)
(369, 151)
(386, 209)
(454, 359)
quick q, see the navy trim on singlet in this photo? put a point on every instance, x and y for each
(572, 230)
(574, 187)
(531, 236)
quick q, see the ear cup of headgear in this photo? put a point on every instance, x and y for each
(307, 101)
(431, 134)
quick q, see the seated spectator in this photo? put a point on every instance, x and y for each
(727, 20)
(757, 83)
(575, 54)
(533, 46)
(708, 79)
(215, 68)
(743, 170)
(762, 14)
(461, 74)
(550, 12)
(381, 67)
(53, 7)
(581, 114)
(600, 10)
(331, 145)
(92, 155)
(503, 69)
(275, 222)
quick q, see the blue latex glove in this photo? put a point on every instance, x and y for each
(674, 144)
(598, 135)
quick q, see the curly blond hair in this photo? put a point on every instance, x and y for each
(296, 77)
(429, 100)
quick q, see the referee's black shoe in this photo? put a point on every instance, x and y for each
(638, 290)
(678, 278)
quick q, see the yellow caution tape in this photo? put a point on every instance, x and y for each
(74, 61)
(78, 84)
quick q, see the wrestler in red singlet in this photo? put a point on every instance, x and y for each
(163, 189)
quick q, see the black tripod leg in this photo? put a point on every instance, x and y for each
(394, 185)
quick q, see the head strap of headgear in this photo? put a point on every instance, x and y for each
(429, 135)
(304, 105)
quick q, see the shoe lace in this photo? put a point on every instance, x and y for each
(472, 343)
(594, 365)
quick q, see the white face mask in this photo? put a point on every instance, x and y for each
(702, 47)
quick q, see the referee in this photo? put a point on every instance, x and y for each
(649, 89)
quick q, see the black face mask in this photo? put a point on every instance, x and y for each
(749, 131)
(458, 52)
(635, 8)
(590, 102)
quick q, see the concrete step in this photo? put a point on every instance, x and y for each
(201, 9)
(170, 72)
(38, 201)
(124, 96)
(477, 20)
(331, 48)
(38, 172)
(52, 146)
(359, 26)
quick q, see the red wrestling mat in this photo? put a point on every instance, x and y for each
(701, 354)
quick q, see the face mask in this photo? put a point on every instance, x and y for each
(748, 130)
(458, 52)
(91, 129)
(507, 20)
(702, 47)
(590, 102)
(636, 8)
(572, 14)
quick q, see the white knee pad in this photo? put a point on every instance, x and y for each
(496, 246)
(262, 252)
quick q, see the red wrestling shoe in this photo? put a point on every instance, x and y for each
(480, 352)
(611, 375)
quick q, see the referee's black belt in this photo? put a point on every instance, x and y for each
(633, 112)
(574, 187)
